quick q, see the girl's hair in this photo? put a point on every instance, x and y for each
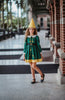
(27, 33)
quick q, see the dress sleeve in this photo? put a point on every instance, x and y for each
(25, 44)
(38, 45)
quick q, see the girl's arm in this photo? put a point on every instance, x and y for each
(39, 47)
(25, 44)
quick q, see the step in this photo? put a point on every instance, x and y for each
(20, 49)
(25, 69)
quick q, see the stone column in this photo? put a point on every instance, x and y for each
(27, 13)
(53, 24)
(61, 51)
(3, 19)
(50, 11)
(18, 17)
(30, 13)
(3, 13)
(0, 19)
(57, 30)
(11, 15)
(7, 15)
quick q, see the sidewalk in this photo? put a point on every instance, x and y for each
(18, 87)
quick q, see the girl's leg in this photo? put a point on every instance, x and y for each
(32, 71)
(36, 68)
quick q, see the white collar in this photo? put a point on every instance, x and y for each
(32, 36)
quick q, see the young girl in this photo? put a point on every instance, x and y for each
(32, 50)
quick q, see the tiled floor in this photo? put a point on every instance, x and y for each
(18, 42)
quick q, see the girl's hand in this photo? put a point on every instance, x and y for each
(24, 57)
(42, 57)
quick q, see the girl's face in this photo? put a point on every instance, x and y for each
(31, 30)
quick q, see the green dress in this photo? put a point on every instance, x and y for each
(32, 49)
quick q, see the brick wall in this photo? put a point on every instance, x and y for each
(52, 25)
(57, 27)
(62, 66)
(57, 13)
(62, 27)
(57, 20)
(62, 36)
(50, 12)
(52, 21)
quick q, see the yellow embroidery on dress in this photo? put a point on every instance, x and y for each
(32, 41)
(30, 49)
(36, 60)
(29, 41)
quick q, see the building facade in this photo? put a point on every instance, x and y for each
(57, 30)
(43, 20)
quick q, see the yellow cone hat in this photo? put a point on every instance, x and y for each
(32, 24)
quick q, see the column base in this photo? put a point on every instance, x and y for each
(56, 56)
(51, 41)
(57, 44)
(51, 49)
(61, 53)
(60, 78)
(56, 60)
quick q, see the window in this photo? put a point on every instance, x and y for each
(41, 22)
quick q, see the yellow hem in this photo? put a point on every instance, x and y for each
(36, 60)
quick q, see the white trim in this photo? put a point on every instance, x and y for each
(32, 36)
